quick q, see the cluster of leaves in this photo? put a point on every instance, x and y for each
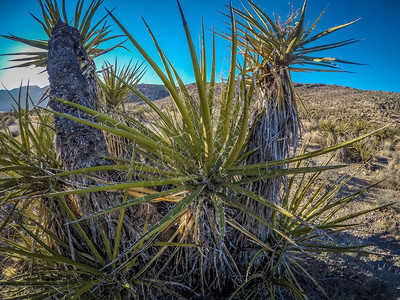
(308, 197)
(275, 47)
(26, 159)
(286, 43)
(194, 176)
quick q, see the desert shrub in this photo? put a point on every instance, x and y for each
(360, 125)
(335, 131)
(391, 174)
(6, 118)
(360, 152)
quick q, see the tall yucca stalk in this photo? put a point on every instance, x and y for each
(80, 145)
(274, 48)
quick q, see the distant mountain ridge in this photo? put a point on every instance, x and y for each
(151, 91)
(6, 97)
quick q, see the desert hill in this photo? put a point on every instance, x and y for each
(325, 101)
(151, 91)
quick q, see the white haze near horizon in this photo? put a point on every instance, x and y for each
(12, 78)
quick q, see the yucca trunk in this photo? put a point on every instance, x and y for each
(208, 267)
(275, 132)
(72, 77)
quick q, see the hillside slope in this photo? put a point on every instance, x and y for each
(324, 101)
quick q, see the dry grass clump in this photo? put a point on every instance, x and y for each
(332, 131)
(391, 175)
(6, 118)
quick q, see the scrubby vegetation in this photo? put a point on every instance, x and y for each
(177, 206)
(333, 132)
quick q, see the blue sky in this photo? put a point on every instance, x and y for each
(378, 28)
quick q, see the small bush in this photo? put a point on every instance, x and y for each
(336, 131)
(391, 175)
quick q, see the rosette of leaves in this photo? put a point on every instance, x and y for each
(117, 81)
(281, 268)
(115, 91)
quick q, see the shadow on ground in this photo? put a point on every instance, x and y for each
(354, 276)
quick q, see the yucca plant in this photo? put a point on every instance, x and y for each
(275, 49)
(26, 158)
(189, 156)
(94, 34)
(281, 268)
(194, 179)
(117, 81)
(115, 90)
